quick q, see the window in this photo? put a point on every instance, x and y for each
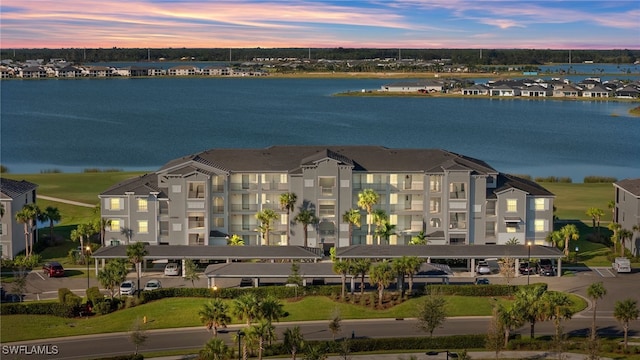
(435, 183)
(196, 190)
(1, 231)
(512, 229)
(176, 188)
(142, 205)
(143, 227)
(435, 223)
(539, 204)
(115, 225)
(326, 185)
(540, 225)
(115, 204)
(434, 205)
(458, 220)
(491, 208)
(327, 208)
(512, 205)
(457, 191)
(490, 229)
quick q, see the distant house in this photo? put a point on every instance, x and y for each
(69, 72)
(7, 72)
(628, 92)
(477, 89)
(14, 195)
(99, 71)
(413, 86)
(504, 90)
(217, 71)
(32, 72)
(567, 90)
(535, 91)
(183, 70)
(627, 210)
(597, 91)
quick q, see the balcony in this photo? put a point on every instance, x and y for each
(196, 224)
(217, 209)
(243, 186)
(374, 186)
(244, 207)
(326, 190)
(217, 188)
(274, 186)
(242, 227)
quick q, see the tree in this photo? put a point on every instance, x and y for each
(136, 253)
(624, 235)
(287, 203)
(342, 267)
(379, 218)
(595, 214)
(335, 324)
(235, 240)
(366, 200)
(625, 311)
(261, 333)
(266, 218)
(528, 303)
(507, 268)
(510, 319)
(293, 341)
(27, 216)
(495, 334)
(294, 277)
(595, 292)
(137, 335)
(612, 206)
(270, 309)
(306, 217)
(52, 215)
(381, 274)
(569, 232)
(361, 267)
(246, 307)
(353, 218)
(114, 273)
(81, 232)
(385, 230)
(420, 239)
(557, 307)
(128, 234)
(431, 313)
(413, 266)
(615, 227)
(214, 315)
(216, 349)
(191, 272)
(99, 226)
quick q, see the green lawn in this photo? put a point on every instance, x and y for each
(573, 200)
(183, 312)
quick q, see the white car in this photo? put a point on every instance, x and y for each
(152, 285)
(483, 268)
(128, 288)
(172, 269)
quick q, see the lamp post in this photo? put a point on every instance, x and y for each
(528, 261)
(577, 254)
(86, 259)
(240, 335)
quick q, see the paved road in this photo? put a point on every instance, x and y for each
(619, 287)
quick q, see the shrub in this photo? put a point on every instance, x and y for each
(36, 308)
(553, 179)
(279, 292)
(472, 290)
(94, 295)
(599, 179)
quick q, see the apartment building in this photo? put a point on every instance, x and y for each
(202, 199)
(627, 210)
(14, 195)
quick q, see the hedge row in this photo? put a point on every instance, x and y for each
(36, 308)
(475, 290)
(421, 343)
(279, 292)
(123, 357)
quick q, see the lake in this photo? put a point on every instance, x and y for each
(140, 124)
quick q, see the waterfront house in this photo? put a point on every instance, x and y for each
(504, 90)
(183, 70)
(7, 72)
(628, 92)
(14, 195)
(567, 90)
(477, 89)
(217, 71)
(597, 91)
(32, 72)
(204, 198)
(627, 210)
(414, 86)
(535, 91)
(69, 72)
(99, 71)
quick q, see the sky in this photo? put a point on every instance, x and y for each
(416, 24)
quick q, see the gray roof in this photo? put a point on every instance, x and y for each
(506, 182)
(447, 251)
(363, 158)
(11, 189)
(212, 252)
(141, 185)
(630, 185)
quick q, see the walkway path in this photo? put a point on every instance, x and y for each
(70, 202)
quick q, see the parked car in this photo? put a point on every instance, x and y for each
(172, 269)
(482, 281)
(527, 268)
(245, 282)
(545, 267)
(152, 285)
(483, 268)
(53, 269)
(128, 288)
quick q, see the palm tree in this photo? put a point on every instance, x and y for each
(381, 274)
(385, 230)
(114, 273)
(216, 349)
(414, 264)
(569, 232)
(266, 218)
(612, 206)
(379, 217)
(361, 267)
(366, 200)
(595, 291)
(262, 332)
(353, 218)
(595, 214)
(287, 203)
(615, 227)
(528, 303)
(235, 240)
(625, 311)
(293, 341)
(128, 234)
(81, 232)
(557, 307)
(136, 253)
(100, 225)
(52, 215)
(27, 216)
(510, 320)
(420, 239)
(624, 234)
(342, 267)
(306, 217)
(246, 307)
(270, 309)
(214, 314)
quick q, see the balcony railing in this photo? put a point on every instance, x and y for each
(244, 207)
(246, 187)
(275, 186)
(196, 224)
(217, 209)
(243, 227)
(375, 186)
(217, 188)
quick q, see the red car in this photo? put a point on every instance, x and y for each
(53, 269)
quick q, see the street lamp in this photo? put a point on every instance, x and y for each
(86, 259)
(240, 335)
(528, 261)
(577, 255)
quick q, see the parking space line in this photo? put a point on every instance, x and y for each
(41, 277)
